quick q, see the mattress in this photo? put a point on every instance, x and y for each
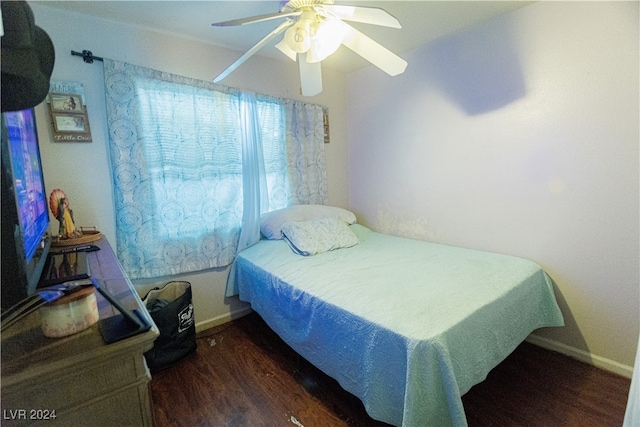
(407, 326)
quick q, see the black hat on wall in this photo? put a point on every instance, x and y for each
(27, 58)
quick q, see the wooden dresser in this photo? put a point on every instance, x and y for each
(79, 379)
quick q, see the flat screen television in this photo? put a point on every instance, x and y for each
(25, 216)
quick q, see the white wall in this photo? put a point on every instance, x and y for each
(82, 170)
(518, 136)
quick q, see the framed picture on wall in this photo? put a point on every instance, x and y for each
(69, 117)
(65, 102)
(325, 119)
(63, 122)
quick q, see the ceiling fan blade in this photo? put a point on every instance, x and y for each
(253, 50)
(284, 48)
(257, 18)
(310, 76)
(373, 52)
(366, 15)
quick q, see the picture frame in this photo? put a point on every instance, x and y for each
(65, 122)
(69, 118)
(325, 123)
(65, 102)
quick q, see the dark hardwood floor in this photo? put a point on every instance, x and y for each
(243, 375)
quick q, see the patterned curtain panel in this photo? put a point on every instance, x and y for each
(305, 153)
(176, 149)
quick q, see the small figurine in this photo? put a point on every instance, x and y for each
(59, 205)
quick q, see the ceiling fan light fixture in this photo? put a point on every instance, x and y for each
(327, 40)
(298, 38)
(283, 47)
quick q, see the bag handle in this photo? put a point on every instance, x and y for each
(180, 283)
(157, 288)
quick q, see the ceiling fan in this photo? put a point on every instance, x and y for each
(313, 30)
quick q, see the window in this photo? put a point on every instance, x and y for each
(176, 149)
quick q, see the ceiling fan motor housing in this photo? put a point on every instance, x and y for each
(294, 5)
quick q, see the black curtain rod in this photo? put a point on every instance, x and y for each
(87, 56)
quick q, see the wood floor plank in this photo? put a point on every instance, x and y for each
(243, 374)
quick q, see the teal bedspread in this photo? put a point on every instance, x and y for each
(407, 326)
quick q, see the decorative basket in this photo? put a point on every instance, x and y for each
(87, 237)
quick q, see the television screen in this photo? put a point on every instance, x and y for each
(31, 199)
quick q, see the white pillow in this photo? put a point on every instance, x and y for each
(271, 223)
(317, 236)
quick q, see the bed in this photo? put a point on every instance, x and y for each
(407, 326)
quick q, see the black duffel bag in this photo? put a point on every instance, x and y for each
(171, 309)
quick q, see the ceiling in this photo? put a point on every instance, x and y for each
(422, 21)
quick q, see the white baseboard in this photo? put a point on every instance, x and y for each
(583, 356)
(222, 319)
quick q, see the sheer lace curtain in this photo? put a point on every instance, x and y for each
(254, 180)
(195, 164)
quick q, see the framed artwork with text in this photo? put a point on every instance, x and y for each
(69, 119)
